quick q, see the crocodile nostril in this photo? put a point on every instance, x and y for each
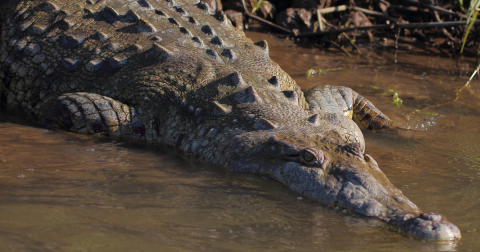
(431, 216)
(354, 148)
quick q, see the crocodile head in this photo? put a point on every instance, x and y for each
(327, 162)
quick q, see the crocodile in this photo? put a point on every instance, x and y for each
(179, 74)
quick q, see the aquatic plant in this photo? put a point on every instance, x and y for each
(471, 17)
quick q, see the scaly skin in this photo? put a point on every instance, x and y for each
(172, 72)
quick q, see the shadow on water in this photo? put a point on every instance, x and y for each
(68, 192)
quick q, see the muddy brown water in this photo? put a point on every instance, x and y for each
(68, 192)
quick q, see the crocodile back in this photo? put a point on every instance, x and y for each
(124, 49)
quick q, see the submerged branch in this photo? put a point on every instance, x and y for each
(457, 94)
(339, 47)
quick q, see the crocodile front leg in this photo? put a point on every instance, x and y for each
(92, 113)
(345, 101)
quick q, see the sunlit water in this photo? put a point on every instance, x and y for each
(68, 192)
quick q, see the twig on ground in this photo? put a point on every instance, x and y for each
(436, 8)
(263, 20)
(333, 9)
(387, 26)
(450, 37)
(319, 34)
(408, 8)
(392, 23)
(355, 8)
(320, 20)
(374, 13)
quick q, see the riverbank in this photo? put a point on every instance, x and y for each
(434, 27)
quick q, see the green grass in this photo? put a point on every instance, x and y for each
(258, 4)
(471, 17)
(311, 72)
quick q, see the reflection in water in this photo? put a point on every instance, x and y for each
(71, 192)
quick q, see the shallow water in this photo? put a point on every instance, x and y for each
(69, 192)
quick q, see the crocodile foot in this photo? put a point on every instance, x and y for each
(91, 113)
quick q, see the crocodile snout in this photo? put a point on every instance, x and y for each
(431, 226)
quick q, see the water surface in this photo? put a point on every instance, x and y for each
(68, 192)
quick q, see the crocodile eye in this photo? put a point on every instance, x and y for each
(308, 156)
(311, 156)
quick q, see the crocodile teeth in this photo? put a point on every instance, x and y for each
(221, 109)
(262, 44)
(315, 119)
(264, 124)
(248, 95)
